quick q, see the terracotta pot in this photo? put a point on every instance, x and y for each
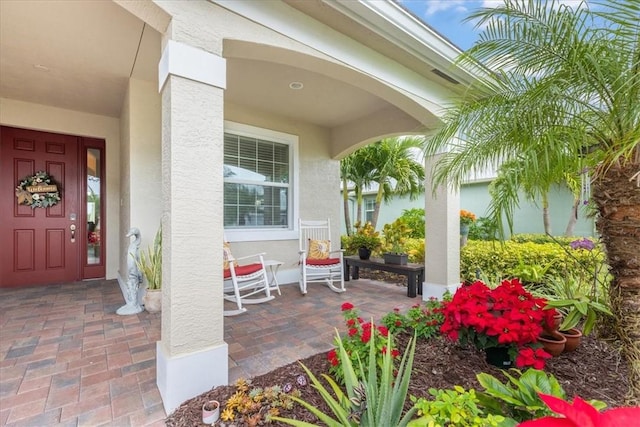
(211, 412)
(553, 342)
(557, 320)
(573, 336)
(152, 300)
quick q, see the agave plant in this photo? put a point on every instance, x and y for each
(370, 399)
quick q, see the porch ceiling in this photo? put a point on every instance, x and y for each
(79, 56)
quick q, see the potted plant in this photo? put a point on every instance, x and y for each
(568, 295)
(394, 237)
(507, 320)
(466, 219)
(150, 264)
(365, 240)
(210, 412)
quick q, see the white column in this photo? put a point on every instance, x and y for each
(442, 261)
(192, 356)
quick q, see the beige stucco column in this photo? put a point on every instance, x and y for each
(192, 356)
(442, 261)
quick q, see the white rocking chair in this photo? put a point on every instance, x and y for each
(318, 262)
(243, 282)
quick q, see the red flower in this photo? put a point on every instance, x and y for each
(332, 356)
(352, 332)
(366, 335)
(398, 323)
(395, 353)
(347, 306)
(383, 331)
(530, 357)
(581, 414)
(351, 322)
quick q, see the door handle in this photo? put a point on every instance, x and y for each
(72, 227)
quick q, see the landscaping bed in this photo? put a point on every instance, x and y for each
(596, 370)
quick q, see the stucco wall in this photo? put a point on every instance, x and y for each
(45, 118)
(475, 198)
(315, 171)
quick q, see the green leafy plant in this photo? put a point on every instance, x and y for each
(518, 398)
(356, 341)
(364, 236)
(483, 229)
(374, 395)
(150, 262)
(415, 220)
(456, 407)
(577, 304)
(424, 320)
(395, 235)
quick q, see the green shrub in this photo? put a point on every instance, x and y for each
(415, 219)
(456, 408)
(483, 229)
(505, 260)
(422, 319)
(543, 238)
(415, 249)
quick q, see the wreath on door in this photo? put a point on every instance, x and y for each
(38, 191)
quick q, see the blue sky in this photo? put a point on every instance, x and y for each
(446, 17)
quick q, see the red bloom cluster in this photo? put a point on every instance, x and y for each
(505, 316)
(356, 342)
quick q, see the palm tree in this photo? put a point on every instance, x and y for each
(564, 86)
(395, 169)
(354, 169)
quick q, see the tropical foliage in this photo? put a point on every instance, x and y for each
(392, 164)
(561, 96)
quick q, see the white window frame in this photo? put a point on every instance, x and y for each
(264, 234)
(367, 200)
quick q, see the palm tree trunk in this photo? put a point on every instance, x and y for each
(573, 218)
(358, 217)
(376, 207)
(546, 218)
(617, 196)
(345, 201)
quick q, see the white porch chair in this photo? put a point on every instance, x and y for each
(243, 283)
(318, 262)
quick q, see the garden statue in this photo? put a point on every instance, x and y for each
(134, 275)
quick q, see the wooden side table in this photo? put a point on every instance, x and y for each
(272, 267)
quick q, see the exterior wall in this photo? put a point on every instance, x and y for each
(475, 198)
(315, 169)
(45, 118)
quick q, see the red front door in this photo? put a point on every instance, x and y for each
(40, 245)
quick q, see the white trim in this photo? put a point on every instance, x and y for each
(436, 290)
(300, 27)
(179, 378)
(265, 234)
(179, 59)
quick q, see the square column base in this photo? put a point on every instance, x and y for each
(437, 291)
(186, 376)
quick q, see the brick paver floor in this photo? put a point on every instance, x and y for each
(66, 358)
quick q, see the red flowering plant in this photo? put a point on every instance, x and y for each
(356, 342)
(507, 316)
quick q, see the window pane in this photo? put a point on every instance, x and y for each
(94, 237)
(265, 163)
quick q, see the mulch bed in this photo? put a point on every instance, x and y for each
(596, 370)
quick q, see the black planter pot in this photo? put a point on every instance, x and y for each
(498, 356)
(364, 253)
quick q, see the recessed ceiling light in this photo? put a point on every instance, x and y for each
(296, 85)
(41, 67)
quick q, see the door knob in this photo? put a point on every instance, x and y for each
(72, 227)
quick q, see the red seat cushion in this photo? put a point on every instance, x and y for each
(327, 261)
(243, 270)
